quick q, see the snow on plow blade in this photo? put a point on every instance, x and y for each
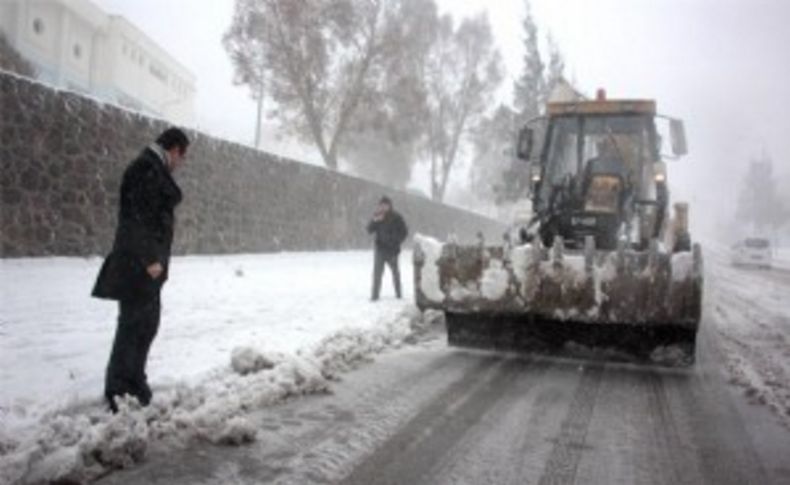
(620, 305)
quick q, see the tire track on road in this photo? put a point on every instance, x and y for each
(633, 436)
(564, 458)
(675, 450)
(414, 451)
(331, 460)
(490, 442)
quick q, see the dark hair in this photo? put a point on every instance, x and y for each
(385, 200)
(173, 137)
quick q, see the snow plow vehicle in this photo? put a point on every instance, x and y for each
(602, 269)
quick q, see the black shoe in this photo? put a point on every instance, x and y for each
(110, 401)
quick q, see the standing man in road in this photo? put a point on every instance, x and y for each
(390, 231)
(137, 266)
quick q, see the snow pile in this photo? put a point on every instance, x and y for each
(343, 350)
(682, 266)
(430, 318)
(570, 269)
(604, 273)
(495, 280)
(246, 360)
(520, 257)
(459, 292)
(73, 449)
(86, 444)
(429, 273)
(671, 355)
(237, 431)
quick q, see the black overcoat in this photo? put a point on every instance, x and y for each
(390, 232)
(144, 233)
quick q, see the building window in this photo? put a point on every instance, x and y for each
(158, 72)
(38, 26)
(77, 51)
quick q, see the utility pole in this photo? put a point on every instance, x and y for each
(260, 114)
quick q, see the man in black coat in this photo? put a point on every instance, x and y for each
(390, 230)
(137, 267)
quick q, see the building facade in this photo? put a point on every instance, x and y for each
(75, 45)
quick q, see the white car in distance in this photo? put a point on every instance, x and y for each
(752, 251)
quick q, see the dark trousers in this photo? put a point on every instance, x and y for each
(138, 322)
(380, 258)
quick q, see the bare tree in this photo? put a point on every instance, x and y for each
(496, 174)
(759, 203)
(538, 79)
(316, 55)
(462, 71)
(529, 88)
(383, 140)
(555, 70)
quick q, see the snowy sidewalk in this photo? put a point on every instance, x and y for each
(782, 258)
(55, 339)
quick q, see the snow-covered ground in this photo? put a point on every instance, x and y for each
(782, 258)
(749, 310)
(55, 340)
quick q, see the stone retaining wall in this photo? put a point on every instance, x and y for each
(62, 156)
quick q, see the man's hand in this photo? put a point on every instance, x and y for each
(154, 270)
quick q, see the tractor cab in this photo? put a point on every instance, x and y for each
(598, 169)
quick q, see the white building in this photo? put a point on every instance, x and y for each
(76, 45)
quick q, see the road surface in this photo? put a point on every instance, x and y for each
(429, 414)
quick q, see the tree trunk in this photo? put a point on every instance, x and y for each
(330, 159)
(259, 116)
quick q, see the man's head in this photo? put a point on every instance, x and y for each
(385, 204)
(175, 143)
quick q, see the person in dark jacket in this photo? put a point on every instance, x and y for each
(390, 231)
(137, 266)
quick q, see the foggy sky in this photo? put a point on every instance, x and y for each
(721, 65)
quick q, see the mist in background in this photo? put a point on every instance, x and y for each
(721, 65)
